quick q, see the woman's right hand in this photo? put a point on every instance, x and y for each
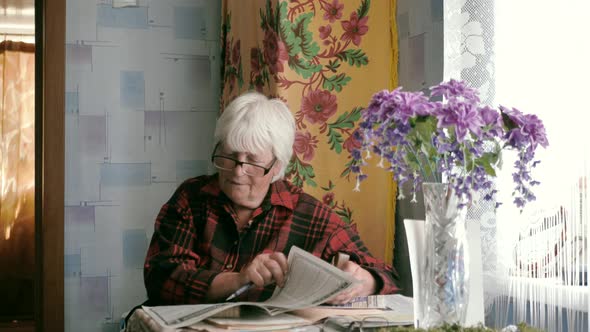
(265, 269)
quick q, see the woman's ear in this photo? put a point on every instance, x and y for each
(276, 168)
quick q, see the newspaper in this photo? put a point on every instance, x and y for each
(310, 282)
(364, 302)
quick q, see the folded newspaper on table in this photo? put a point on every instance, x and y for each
(310, 282)
(395, 302)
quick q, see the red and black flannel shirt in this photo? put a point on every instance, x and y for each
(196, 238)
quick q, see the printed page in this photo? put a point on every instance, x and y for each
(310, 282)
(364, 302)
(400, 303)
(176, 316)
(259, 320)
(397, 308)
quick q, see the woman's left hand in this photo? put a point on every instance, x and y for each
(367, 285)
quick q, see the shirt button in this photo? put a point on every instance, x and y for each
(229, 266)
(235, 242)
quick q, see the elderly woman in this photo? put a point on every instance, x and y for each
(220, 232)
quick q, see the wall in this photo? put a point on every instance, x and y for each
(420, 31)
(142, 87)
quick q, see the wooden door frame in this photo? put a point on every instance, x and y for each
(50, 32)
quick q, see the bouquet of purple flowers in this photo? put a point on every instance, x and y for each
(449, 137)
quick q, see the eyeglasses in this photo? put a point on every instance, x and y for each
(228, 164)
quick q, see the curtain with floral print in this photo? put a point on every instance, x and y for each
(325, 59)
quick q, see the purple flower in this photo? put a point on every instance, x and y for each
(455, 89)
(457, 139)
(463, 117)
(529, 133)
(407, 104)
(492, 121)
(512, 117)
(535, 131)
(356, 154)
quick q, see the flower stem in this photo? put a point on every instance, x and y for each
(422, 170)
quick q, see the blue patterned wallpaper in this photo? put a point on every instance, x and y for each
(142, 86)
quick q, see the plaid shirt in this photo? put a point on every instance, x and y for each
(196, 237)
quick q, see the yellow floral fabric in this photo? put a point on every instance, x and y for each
(325, 59)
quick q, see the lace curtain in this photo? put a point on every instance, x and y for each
(535, 261)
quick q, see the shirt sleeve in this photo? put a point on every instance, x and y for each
(346, 239)
(172, 272)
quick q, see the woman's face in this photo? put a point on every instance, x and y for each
(246, 191)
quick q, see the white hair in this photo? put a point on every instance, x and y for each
(254, 123)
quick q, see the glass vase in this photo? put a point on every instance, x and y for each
(446, 262)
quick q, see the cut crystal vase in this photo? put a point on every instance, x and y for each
(446, 263)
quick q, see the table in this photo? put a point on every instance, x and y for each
(140, 321)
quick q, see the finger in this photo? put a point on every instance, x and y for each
(340, 299)
(343, 297)
(280, 258)
(253, 271)
(255, 277)
(265, 273)
(350, 267)
(277, 272)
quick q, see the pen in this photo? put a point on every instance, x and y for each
(240, 291)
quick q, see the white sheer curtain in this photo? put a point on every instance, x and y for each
(532, 55)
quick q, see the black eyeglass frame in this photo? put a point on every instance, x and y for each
(240, 163)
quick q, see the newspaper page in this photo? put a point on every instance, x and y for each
(310, 282)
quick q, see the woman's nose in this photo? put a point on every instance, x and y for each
(238, 169)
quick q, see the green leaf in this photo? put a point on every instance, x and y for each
(508, 123)
(346, 120)
(363, 9)
(230, 71)
(301, 173)
(488, 160)
(311, 183)
(330, 186)
(354, 57)
(336, 82)
(304, 68)
(335, 140)
(291, 167)
(488, 168)
(298, 182)
(226, 27)
(309, 48)
(240, 75)
(425, 127)
(346, 171)
(342, 213)
(280, 15)
(286, 33)
(333, 65)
